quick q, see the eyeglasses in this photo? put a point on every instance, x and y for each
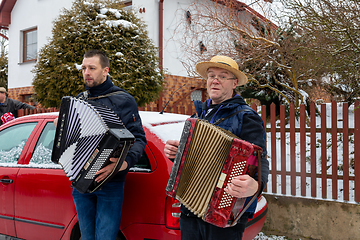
(219, 78)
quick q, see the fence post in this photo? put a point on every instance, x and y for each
(20, 112)
(357, 150)
(273, 147)
(174, 109)
(283, 149)
(302, 150)
(254, 107)
(346, 150)
(292, 149)
(189, 109)
(323, 152)
(313, 148)
(182, 109)
(334, 165)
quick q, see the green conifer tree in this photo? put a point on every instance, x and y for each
(3, 70)
(104, 25)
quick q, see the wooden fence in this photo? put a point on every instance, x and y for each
(309, 155)
(313, 156)
(24, 112)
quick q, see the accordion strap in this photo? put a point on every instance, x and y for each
(86, 94)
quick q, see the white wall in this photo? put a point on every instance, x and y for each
(175, 31)
(27, 14)
(172, 14)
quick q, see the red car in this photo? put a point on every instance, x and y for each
(35, 195)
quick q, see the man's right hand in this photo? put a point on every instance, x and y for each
(170, 149)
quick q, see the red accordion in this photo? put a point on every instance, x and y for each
(207, 159)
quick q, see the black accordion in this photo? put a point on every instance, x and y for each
(87, 134)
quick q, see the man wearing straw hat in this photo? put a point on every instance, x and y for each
(9, 107)
(228, 110)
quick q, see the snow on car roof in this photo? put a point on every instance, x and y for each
(167, 126)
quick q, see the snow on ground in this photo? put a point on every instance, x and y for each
(262, 236)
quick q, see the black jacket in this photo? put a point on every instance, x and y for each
(242, 121)
(124, 105)
(11, 105)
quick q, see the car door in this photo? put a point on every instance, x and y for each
(13, 144)
(43, 200)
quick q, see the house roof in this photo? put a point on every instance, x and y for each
(6, 7)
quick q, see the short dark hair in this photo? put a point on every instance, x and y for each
(104, 60)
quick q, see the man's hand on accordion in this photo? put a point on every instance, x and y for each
(170, 148)
(242, 186)
(106, 171)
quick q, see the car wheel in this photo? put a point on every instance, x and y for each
(120, 236)
(75, 233)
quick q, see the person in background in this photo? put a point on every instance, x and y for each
(223, 76)
(9, 107)
(99, 213)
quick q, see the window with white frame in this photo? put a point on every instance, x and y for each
(196, 95)
(128, 5)
(29, 45)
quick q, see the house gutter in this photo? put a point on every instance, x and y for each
(161, 23)
(6, 7)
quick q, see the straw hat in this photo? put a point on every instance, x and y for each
(2, 89)
(222, 62)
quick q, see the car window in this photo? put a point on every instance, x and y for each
(12, 142)
(42, 154)
(143, 165)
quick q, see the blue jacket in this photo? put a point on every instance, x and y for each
(124, 105)
(246, 124)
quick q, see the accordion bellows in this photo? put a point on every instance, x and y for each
(87, 134)
(207, 159)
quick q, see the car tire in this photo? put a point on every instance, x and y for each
(75, 233)
(120, 236)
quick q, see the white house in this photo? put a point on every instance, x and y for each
(29, 24)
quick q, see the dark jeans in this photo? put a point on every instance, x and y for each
(193, 228)
(99, 212)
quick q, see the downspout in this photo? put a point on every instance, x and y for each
(161, 21)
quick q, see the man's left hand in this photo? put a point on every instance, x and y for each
(242, 186)
(106, 171)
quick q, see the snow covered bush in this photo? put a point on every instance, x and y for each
(104, 25)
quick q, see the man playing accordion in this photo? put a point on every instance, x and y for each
(99, 212)
(229, 111)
